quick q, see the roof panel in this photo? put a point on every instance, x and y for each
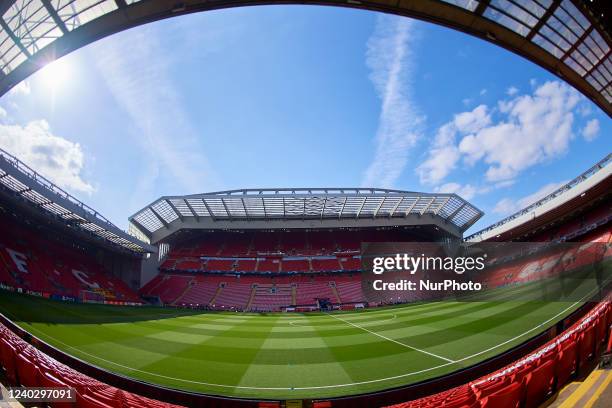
(257, 204)
(32, 25)
(55, 202)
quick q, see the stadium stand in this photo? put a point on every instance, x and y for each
(26, 366)
(532, 380)
(319, 273)
(34, 261)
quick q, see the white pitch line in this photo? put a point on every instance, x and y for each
(297, 323)
(376, 380)
(391, 340)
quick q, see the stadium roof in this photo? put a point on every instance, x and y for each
(575, 188)
(21, 180)
(570, 38)
(291, 204)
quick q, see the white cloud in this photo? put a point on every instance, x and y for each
(444, 153)
(473, 121)
(508, 206)
(2, 113)
(54, 157)
(465, 191)
(591, 130)
(523, 131)
(536, 128)
(137, 73)
(390, 60)
(512, 91)
(467, 101)
(22, 88)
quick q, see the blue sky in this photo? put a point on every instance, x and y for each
(297, 96)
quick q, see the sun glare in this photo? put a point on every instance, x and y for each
(55, 74)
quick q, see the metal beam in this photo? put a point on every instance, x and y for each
(395, 207)
(158, 216)
(443, 205)
(452, 215)
(361, 207)
(409, 210)
(229, 214)
(142, 229)
(324, 205)
(197, 217)
(378, 207)
(342, 209)
(246, 212)
(428, 205)
(177, 212)
(212, 215)
(576, 44)
(13, 37)
(471, 221)
(595, 66)
(482, 6)
(56, 18)
(542, 20)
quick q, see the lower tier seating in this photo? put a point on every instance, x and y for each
(30, 261)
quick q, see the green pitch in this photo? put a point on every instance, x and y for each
(284, 355)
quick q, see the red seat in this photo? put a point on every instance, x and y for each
(107, 395)
(8, 360)
(508, 397)
(601, 329)
(485, 389)
(566, 362)
(89, 401)
(540, 383)
(586, 345)
(459, 402)
(49, 380)
(520, 373)
(27, 372)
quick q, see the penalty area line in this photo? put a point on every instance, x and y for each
(392, 340)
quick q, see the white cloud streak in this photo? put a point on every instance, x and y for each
(137, 73)
(390, 60)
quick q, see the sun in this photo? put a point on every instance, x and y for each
(56, 74)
